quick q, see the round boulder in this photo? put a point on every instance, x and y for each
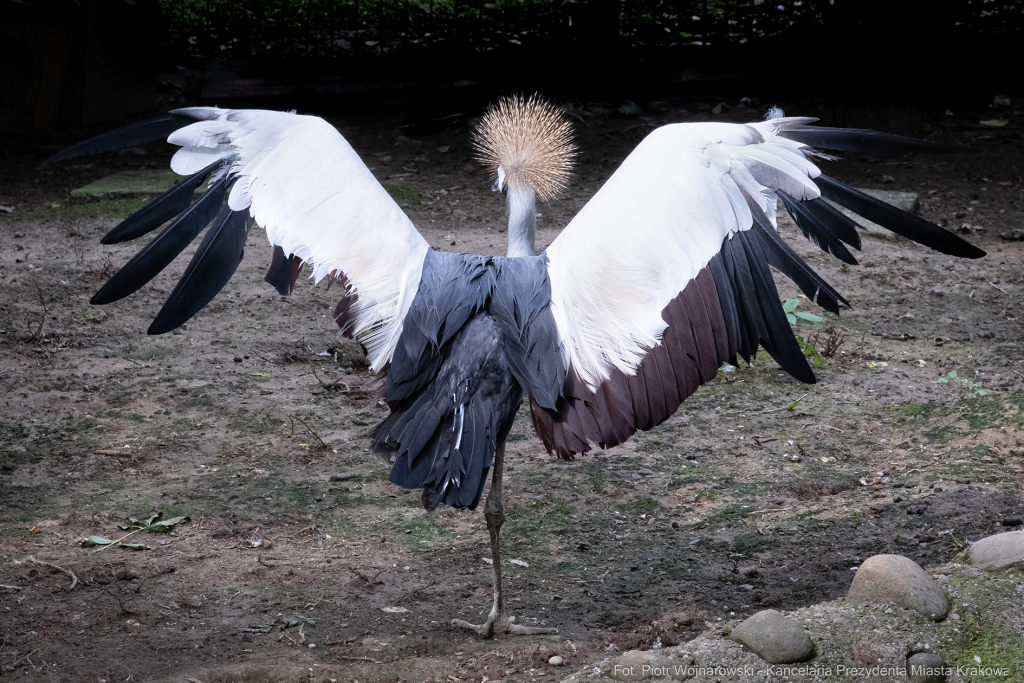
(926, 667)
(774, 638)
(899, 580)
(998, 552)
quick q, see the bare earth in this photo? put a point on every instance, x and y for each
(240, 419)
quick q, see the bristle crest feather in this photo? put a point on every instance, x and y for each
(531, 140)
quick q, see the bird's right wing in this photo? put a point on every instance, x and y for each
(298, 178)
(664, 275)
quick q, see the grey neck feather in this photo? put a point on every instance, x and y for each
(522, 221)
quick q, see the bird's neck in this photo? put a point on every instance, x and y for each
(522, 221)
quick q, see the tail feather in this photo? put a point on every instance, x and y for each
(125, 136)
(443, 438)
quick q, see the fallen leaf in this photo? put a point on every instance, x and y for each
(519, 562)
(995, 123)
(394, 610)
(35, 530)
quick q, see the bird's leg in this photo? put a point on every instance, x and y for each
(494, 513)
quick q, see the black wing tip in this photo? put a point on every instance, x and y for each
(867, 141)
(163, 325)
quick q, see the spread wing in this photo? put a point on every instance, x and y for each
(663, 276)
(299, 179)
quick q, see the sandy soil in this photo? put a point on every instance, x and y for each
(240, 419)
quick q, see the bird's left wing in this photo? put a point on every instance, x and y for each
(298, 178)
(663, 276)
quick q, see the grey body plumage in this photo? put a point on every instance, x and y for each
(479, 333)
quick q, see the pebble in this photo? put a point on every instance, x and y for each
(926, 667)
(774, 638)
(555, 661)
(1001, 551)
(899, 580)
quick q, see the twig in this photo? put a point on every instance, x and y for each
(755, 512)
(38, 334)
(1016, 373)
(25, 658)
(113, 543)
(789, 406)
(10, 588)
(74, 579)
(257, 353)
(825, 426)
(358, 659)
(310, 430)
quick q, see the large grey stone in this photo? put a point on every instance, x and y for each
(926, 667)
(774, 638)
(1001, 551)
(641, 666)
(899, 580)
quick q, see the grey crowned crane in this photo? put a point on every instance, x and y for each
(659, 280)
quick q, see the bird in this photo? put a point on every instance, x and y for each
(661, 278)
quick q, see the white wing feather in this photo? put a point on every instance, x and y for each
(654, 225)
(316, 199)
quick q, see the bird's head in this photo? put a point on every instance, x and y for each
(526, 143)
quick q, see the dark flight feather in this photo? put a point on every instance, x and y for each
(126, 136)
(898, 221)
(164, 248)
(777, 339)
(817, 227)
(213, 264)
(162, 209)
(283, 272)
(781, 256)
(864, 140)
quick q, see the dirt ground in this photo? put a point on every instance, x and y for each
(240, 420)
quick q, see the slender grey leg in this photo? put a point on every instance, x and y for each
(494, 513)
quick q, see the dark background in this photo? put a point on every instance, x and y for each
(71, 65)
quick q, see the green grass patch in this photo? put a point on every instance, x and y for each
(401, 193)
(67, 211)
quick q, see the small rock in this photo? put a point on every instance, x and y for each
(926, 667)
(900, 580)
(555, 661)
(751, 570)
(746, 587)
(1013, 235)
(640, 666)
(95, 315)
(344, 476)
(238, 359)
(1001, 551)
(774, 638)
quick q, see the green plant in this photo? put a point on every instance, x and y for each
(795, 317)
(966, 386)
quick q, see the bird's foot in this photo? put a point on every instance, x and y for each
(504, 624)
